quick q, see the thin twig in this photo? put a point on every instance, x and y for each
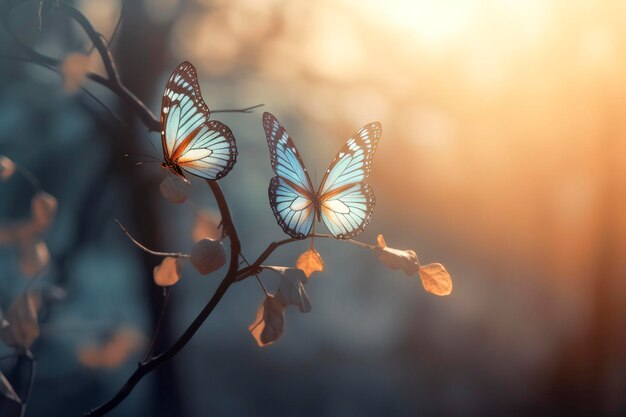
(166, 296)
(250, 270)
(150, 251)
(84, 89)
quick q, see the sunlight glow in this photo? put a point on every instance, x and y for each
(432, 21)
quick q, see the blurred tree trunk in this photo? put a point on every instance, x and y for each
(141, 54)
(584, 377)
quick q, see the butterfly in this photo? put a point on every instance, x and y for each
(191, 141)
(343, 201)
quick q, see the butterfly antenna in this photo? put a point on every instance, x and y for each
(153, 147)
(149, 158)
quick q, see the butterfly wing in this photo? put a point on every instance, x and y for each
(291, 192)
(202, 147)
(346, 202)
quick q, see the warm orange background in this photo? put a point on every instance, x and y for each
(503, 157)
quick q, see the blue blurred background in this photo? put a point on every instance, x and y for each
(502, 157)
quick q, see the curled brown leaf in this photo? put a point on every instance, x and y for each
(74, 69)
(43, 210)
(309, 262)
(167, 273)
(269, 323)
(291, 288)
(208, 255)
(206, 226)
(33, 257)
(23, 326)
(7, 168)
(405, 260)
(114, 351)
(436, 279)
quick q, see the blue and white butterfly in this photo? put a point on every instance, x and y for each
(343, 201)
(190, 140)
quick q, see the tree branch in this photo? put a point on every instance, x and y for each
(113, 82)
(151, 364)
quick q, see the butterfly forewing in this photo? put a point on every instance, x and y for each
(347, 203)
(190, 140)
(353, 162)
(291, 192)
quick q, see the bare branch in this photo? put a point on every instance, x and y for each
(150, 251)
(113, 83)
(254, 267)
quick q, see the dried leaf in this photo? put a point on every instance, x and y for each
(23, 326)
(310, 261)
(396, 258)
(7, 168)
(175, 189)
(43, 209)
(269, 323)
(291, 288)
(208, 255)
(74, 69)
(33, 257)
(435, 279)
(207, 226)
(114, 351)
(167, 272)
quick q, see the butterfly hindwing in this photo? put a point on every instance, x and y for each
(293, 210)
(291, 192)
(202, 147)
(213, 152)
(347, 203)
(347, 211)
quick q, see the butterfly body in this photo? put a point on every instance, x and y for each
(191, 141)
(343, 202)
(172, 167)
